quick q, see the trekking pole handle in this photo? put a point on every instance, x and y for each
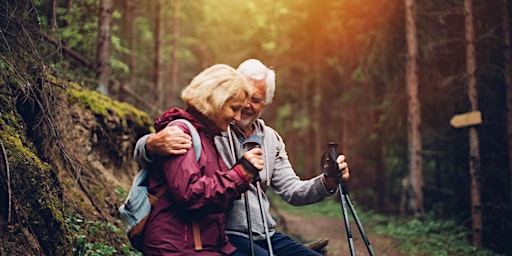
(332, 170)
(253, 141)
(329, 161)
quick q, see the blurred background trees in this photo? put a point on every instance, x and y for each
(341, 76)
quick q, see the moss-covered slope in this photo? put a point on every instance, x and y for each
(65, 162)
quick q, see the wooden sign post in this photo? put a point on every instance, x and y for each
(466, 119)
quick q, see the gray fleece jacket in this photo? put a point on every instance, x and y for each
(277, 174)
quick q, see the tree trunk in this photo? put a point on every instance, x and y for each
(474, 152)
(174, 58)
(131, 31)
(413, 117)
(128, 33)
(379, 183)
(309, 147)
(292, 147)
(321, 129)
(103, 69)
(159, 91)
(69, 4)
(508, 81)
(52, 15)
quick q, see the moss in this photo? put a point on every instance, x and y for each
(102, 105)
(32, 188)
(35, 183)
(99, 193)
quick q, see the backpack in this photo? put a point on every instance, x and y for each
(136, 208)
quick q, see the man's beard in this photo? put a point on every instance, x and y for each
(245, 122)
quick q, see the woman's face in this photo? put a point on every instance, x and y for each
(230, 112)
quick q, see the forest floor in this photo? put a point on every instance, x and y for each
(319, 227)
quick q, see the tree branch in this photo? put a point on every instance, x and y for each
(74, 54)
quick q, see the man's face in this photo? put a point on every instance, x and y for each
(256, 105)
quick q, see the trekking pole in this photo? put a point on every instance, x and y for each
(249, 224)
(263, 216)
(345, 199)
(255, 141)
(246, 201)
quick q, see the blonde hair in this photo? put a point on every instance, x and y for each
(211, 89)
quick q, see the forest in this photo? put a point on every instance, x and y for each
(381, 78)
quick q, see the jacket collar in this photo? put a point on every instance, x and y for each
(193, 115)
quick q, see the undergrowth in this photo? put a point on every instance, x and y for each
(86, 232)
(431, 236)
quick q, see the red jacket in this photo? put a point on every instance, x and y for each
(196, 190)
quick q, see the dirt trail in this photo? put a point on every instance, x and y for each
(314, 228)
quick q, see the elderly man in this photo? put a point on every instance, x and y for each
(277, 172)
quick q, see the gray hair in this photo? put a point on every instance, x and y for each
(255, 70)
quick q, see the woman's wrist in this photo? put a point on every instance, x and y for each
(238, 170)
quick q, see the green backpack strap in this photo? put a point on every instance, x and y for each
(196, 140)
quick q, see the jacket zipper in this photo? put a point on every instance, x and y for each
(186, 235)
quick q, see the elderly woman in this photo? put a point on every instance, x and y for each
(189, 218)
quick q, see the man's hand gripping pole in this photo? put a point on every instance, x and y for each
(329, 166)
(330, 169)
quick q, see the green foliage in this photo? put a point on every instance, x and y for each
(78, 28)
(122, 193)
(86, 234)
(432, 236)
(119, 68)
(329, 207)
